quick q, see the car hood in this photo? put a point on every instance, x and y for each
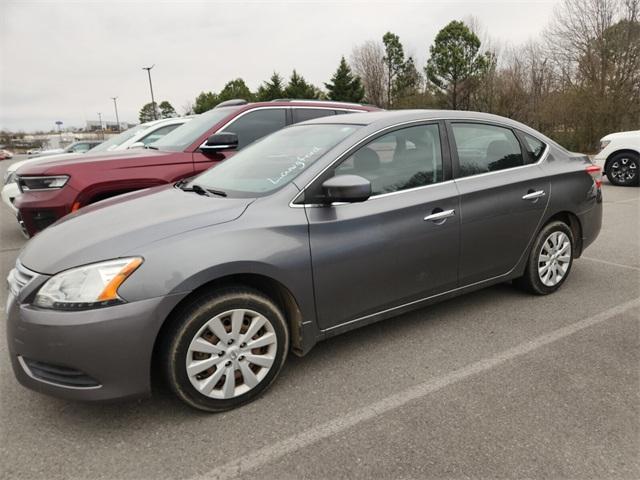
(122, 225)
(38, 160)
(60, 163)
(630, 134)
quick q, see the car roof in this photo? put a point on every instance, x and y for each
(391, 117)
(387, 118)
(299, 103)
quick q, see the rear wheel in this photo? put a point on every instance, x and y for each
(550, 260)
(622, 169)
(225, 349)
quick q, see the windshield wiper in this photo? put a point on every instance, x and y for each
(200, 190)
(151, 147)
(220, 193)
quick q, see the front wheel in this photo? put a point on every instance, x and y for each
(225, 349)
(550, 260)
(622, 169)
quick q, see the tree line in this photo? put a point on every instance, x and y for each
(577, 82)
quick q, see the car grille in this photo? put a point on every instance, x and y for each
(19, 278)
(63, 376)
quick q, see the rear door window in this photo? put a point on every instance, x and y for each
(485, 148)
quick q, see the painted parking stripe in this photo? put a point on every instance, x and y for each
(289, 445)
(613, 264)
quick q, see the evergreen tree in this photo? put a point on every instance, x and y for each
(235, 89)
(271, 89)
(146, 113)
(455, 60)
(205, 101)
(298, 88)
(408, 81)
(393, 60)
(167, 110)
(344, 85)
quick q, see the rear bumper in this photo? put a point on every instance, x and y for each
(591, 222)
(101, 354)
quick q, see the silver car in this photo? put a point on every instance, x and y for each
(317, 229)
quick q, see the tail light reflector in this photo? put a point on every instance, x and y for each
(596, 173)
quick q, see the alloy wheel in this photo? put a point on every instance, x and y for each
(554, 258)
(624, 170)
(231, 354)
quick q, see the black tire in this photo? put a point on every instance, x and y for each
(623, 169)
(531, 281)
(188, 322)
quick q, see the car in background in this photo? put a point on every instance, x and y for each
(620, 157)
(81, 146)
(52, 189)
(315, 230)
(136, 137)
(5, 154)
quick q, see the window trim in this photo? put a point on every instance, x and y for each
(444, 148)
(455, 161)
(523, 142)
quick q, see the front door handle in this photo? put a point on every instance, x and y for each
(531, 195)
(439, 216)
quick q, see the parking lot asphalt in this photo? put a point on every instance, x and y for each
(495, 384)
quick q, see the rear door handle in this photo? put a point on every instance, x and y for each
(534, 195)
(440, 216)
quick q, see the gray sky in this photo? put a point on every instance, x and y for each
(62, 60)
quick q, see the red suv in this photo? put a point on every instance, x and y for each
(53, 189)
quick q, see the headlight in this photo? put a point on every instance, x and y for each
(604, 143)
(42, 183)
(9, 176)
(91, 286)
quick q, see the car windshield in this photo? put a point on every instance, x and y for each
(188, 133)
(274, 161)
(119, 139)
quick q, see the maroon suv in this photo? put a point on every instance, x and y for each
(53, 189)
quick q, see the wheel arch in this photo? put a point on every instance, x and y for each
(572, 220)
(267, 285)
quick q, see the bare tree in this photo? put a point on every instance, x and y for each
(367, 60)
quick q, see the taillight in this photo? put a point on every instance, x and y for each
(596, 173)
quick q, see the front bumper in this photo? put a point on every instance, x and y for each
(9, 193)
(39, 209)
(100, 354)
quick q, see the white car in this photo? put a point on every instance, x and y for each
(619, 157)
(136, 137)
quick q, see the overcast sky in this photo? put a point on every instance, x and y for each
(63, 60)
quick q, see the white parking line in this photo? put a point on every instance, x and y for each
(613, 264)
(289, 445)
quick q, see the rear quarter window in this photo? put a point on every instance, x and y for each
(534, 147)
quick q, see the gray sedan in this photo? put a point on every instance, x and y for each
(317, 229)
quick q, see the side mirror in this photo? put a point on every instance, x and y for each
(220, 141)
(136, 145)
(346, 188)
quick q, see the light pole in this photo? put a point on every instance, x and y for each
(153, 102)
(100, 120)
(115, 105)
